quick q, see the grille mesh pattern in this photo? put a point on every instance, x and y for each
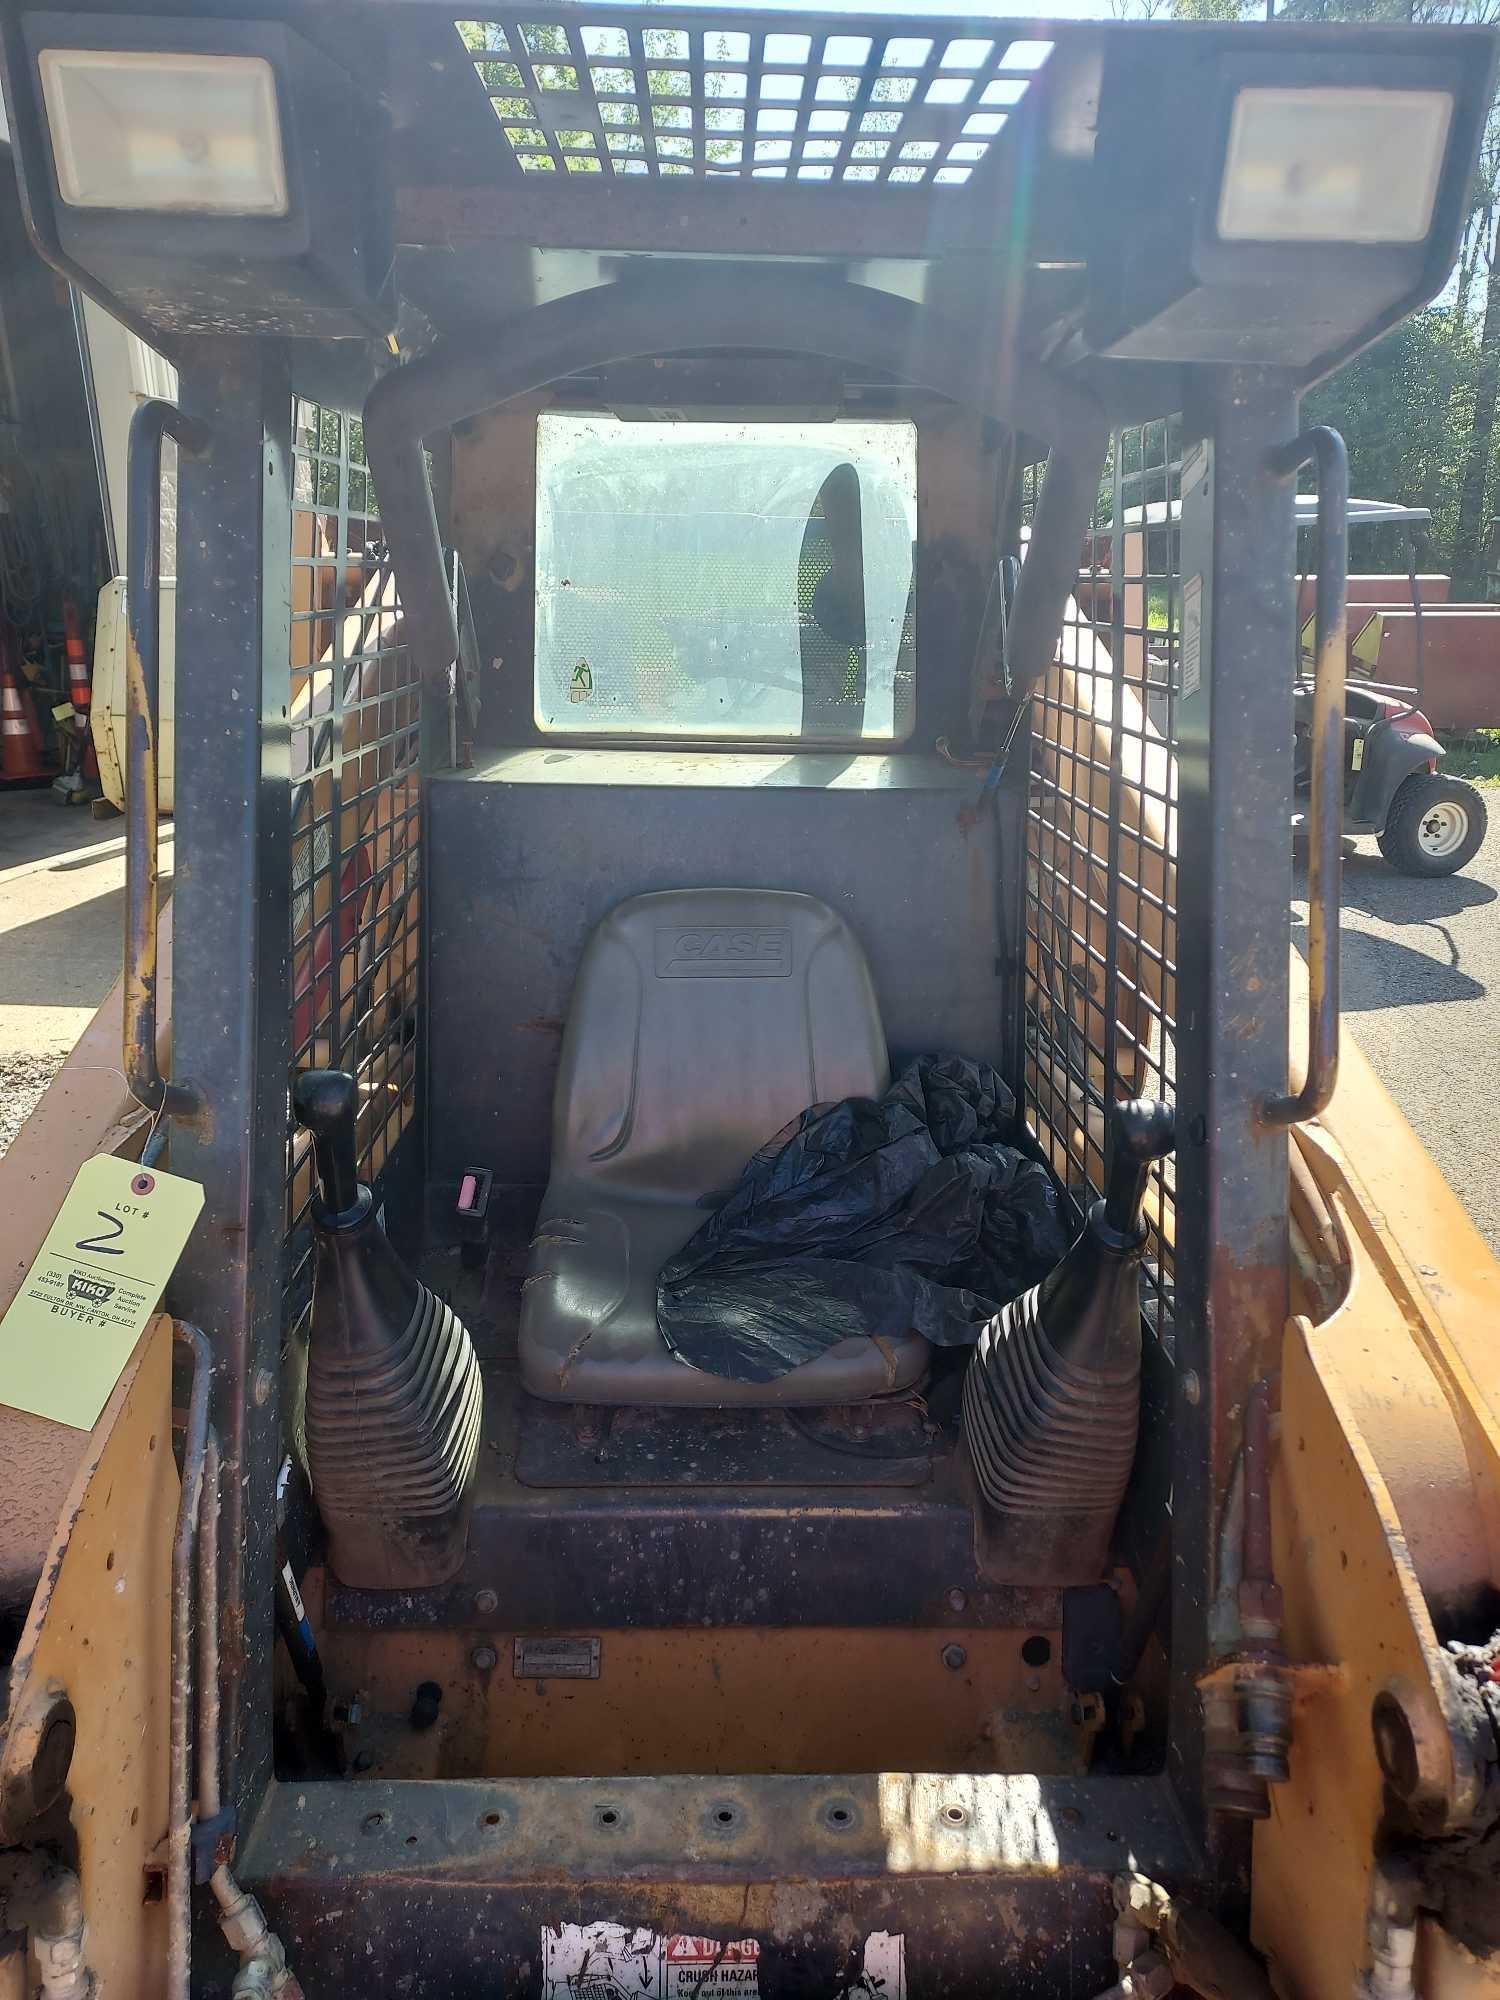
(356, 831)
(770, 104)
(1101, 888)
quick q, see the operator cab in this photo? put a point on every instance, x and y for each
(666, 696)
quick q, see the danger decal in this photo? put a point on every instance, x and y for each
(607, 1961)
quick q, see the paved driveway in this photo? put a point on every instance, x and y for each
(62, 933)
(1421, 996)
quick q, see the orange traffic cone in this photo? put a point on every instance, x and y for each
(78, 784)
(21, 757)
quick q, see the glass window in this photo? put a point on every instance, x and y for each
(747, 580)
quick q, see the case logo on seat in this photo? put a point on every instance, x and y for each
(724, 951)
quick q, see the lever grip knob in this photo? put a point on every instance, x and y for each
(325, 1102)
(1142, 1129)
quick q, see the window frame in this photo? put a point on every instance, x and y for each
(655, 737)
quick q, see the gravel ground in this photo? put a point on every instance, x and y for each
(23, 1078)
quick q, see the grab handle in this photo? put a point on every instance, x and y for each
(1324, 449)
(153, 421)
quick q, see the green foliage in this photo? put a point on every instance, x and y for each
(1208, 10)
(1475, 756)
(1405, 408)
(1418, 409)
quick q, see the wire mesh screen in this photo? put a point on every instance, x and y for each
(704, 96)
(356, 827)
(1100, 899)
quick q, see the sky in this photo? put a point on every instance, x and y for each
(911, 10)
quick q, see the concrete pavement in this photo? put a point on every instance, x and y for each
(62, 929)
(1420, 975)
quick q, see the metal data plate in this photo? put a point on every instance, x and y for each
(557, 1660)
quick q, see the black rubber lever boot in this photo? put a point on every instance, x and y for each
(394, 1400)
(1052, 1395)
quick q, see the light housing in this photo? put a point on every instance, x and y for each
(165, 130)
(1310, 192)
(206, 175)
(1332, 164)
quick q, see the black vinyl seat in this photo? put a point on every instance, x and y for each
(702, 1021)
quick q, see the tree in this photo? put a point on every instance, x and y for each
(1404, 408)
(1466, 386)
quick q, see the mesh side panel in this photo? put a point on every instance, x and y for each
(702, 95)
(356, 830)
(1101, 891)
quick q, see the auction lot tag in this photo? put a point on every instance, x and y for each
(96, 1281)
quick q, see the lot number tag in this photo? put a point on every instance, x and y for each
(96, 1281)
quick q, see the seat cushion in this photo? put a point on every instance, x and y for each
(588, 1318)
(702, 1022)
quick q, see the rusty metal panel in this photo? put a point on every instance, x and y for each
(231, 1014)
(98, 1635)
(991, 1883)
(1230, 1222)
(356, 809)
(702, 1700)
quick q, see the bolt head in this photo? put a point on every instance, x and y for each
(954, 1658)
(486, 1602)
(484, 1658)
(958, 1600)
(1192, 1388)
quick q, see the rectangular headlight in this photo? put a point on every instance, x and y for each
(178, 133)
(1329, 165)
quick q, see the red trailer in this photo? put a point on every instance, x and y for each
(1405, 632)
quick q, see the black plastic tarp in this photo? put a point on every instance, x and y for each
(908, 1213)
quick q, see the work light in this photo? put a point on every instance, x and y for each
(1333, 165)
(179, 133)
(209, 174)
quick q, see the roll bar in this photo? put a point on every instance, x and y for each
(771, 310)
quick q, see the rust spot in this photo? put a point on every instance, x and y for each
(543, 1024)
(232, 1637)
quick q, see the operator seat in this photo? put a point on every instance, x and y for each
(702, 1022)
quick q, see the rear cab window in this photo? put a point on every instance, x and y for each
(733, 581)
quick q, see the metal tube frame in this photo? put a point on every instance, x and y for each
(743, 309)
(153, 421)
(1323, 448)
(234, 889)
(1234, 942)
(231, 1028)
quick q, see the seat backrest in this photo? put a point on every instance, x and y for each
(702, 1021)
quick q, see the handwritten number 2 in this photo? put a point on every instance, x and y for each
(101, 1242)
